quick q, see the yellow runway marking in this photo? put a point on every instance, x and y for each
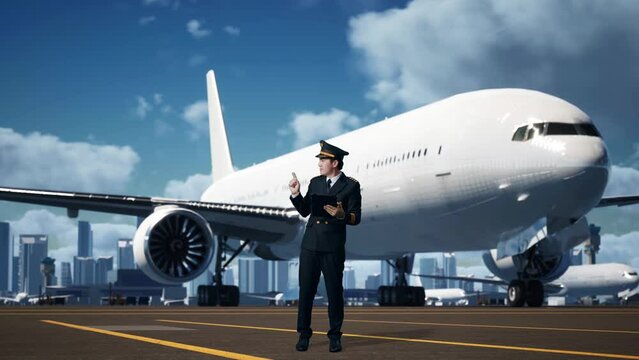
(428, 341)
(199, 349)
(498, 326)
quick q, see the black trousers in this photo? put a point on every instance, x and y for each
(331, 264)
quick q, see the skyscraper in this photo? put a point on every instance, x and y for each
(83, 270)
(388, 273)
(6, 258)
(428, 266)
(103, 265)
(278, 276)
(65, 274)
(15, 279)
(125, 254)
(372, 281)
(348, 282)
(450, 268)
(33, 249)
(85, 239)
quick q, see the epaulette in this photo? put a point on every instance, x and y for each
(353, 179)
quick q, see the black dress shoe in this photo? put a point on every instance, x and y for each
(335, 345)
(302, 344)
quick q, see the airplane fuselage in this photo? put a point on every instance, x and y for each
(447, 176)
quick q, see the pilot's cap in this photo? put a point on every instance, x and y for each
(329, 151)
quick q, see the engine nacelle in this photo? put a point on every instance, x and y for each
(174, 245)
(543, 267)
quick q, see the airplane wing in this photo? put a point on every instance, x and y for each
(618, 201)
(272, 298)
(227, 219)
(463, 278)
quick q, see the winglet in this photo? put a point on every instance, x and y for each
(221, 164)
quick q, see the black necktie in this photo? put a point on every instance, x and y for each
(328, 185)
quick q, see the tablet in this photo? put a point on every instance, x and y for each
(318, 202)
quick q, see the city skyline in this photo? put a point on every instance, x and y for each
(321, 72)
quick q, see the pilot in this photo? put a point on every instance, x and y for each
(322, 249)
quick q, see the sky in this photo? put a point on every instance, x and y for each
(110, 96)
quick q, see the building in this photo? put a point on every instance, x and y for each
(576, 258)
(387, 274)
(348, 281)
(450, 269)
(489, 288)
(83, 270)
(65, 274)
(253, 275)
(33, 249)
(15, 282)
(440, 283)
(428, 266)
(103, 265)
(126, 260)
(373, 282)
(277, 276)
(47, 269)
(85, 239)
(229, 277)
(6, 258)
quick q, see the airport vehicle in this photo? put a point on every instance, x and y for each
(514, 169)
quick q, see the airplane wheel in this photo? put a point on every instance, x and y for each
(229, 295)
(516, 293)
(535, 294)
(206, 295)
(419, 296)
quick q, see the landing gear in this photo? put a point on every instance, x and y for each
(218, 293)
(535, 293)
(529, 292)
(401, 294)
(516, 293)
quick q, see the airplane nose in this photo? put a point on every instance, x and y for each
(583, 169)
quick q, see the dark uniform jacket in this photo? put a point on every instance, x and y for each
(329, 234)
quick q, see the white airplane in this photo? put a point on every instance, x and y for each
(21, 298)
(286, 298)
(470, 172)
(452, 296)
(618, 280)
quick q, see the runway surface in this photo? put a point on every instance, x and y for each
(269, 333)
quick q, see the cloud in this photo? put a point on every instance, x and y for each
(44, 161)
(622, 181)
(621, 249)
(158, 98)
(63, 234)
(156, 2)
(143, 107)
(232, 30)
(162, 127)
(145, 20)
(196, 115)
(194, 27)
(196, 60)
(308, 128)
(190, 189)
(433, 49)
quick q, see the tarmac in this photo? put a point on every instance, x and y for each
(64, 332)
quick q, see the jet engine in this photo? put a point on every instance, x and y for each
(174, 245)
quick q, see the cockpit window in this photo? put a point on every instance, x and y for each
(632, 273)
(527, 132)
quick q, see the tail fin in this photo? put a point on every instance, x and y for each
(220, 155)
